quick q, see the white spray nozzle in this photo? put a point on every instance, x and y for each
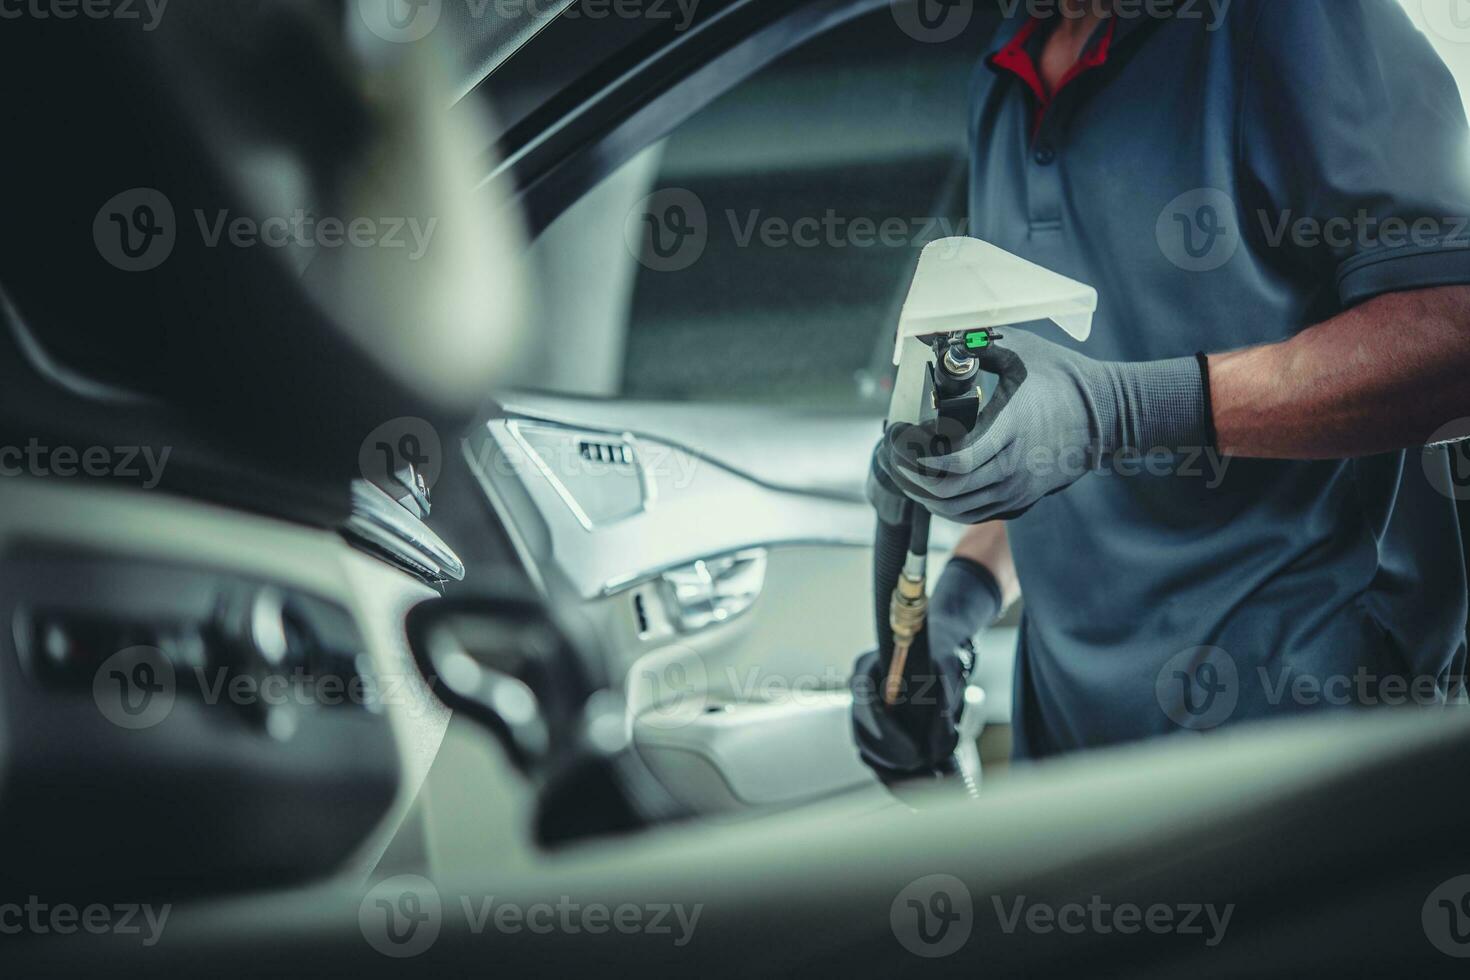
(967, 284)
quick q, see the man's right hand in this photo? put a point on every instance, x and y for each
(917, 736)
(1055, 414)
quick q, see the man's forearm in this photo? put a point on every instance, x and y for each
(989, 545)
(1381, 377)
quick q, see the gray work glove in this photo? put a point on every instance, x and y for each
(887, 497)
(1055, 415)
(917, 737)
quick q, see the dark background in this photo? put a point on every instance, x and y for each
(865, 121)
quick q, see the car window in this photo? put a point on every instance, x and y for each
(761, 251)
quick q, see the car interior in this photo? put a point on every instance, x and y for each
(559, 563)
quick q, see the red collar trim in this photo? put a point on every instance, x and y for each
(1017, 59)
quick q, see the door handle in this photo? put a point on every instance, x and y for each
(713, 590)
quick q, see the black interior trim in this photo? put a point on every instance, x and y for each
(587, 131)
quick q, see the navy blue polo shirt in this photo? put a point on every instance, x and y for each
(1227, 184)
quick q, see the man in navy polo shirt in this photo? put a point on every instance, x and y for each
(1221, 507)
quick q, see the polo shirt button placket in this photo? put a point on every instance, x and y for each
(1043, 179)
(1044, 189)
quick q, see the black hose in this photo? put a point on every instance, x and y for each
(903, 529)
(919, 532)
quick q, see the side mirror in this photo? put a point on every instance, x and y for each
(508, 665)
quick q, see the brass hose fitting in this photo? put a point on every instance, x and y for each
(906, 614)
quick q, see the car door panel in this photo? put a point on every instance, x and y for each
(730, 604)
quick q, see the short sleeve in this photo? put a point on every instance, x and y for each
(1354, 147)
